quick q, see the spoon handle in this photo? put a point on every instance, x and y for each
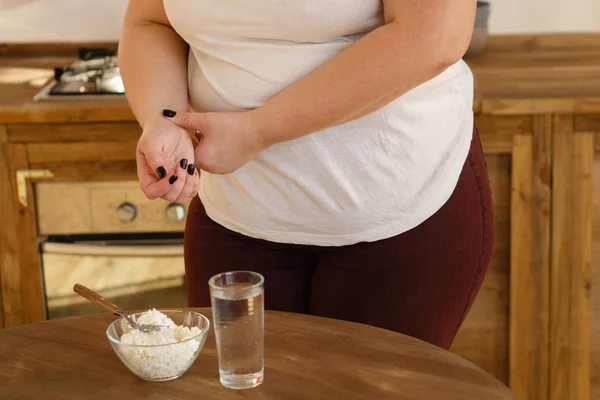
(96, 299)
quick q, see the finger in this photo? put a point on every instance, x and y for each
(155, 159)
(182, 184)
(188, 172)
(177, 184)
(192, 186)
(196, 185)
(202, 154)
(186, 120)
(184, 195)
(151, 185)
(158, 189)
(187, 189)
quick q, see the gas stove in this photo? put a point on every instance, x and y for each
(94, 75)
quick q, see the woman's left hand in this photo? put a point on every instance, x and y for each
(226, 140)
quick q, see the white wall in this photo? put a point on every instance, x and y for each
(542, 16)
(60, 20)
(88, 20)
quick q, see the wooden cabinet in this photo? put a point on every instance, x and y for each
(530, 325)
(595, 270)
(31, 153)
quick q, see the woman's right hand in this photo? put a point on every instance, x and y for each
(165, 162)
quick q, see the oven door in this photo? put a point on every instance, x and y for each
(136, 272)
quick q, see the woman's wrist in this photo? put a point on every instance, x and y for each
(262, 127)
(272, 127)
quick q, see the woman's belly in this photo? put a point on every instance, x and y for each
(365, 180)
(227, 80)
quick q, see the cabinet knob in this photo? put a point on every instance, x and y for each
(126, 212)
(175, 212)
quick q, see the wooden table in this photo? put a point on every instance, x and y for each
(306, 358)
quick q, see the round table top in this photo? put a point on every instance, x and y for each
(305, 358)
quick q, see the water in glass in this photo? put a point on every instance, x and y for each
(238, 310)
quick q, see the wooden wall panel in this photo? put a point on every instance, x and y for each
(1, 302)
(483, 338)
(26, 232)
(7, 255)
(587, 123)
(40, 153)
(87, 132)
(497, 132)
(10, 275)
(570, 261)
(595, 285)
(529, 261)
(90, 171)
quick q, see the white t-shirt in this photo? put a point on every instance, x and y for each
(365, 180)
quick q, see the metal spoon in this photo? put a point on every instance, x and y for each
(95, 298)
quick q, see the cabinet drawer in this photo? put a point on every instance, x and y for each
(103, 207)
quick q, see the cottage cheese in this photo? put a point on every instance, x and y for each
(156, 362)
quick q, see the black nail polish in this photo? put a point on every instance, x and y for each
(173, 179)
(161, 172)
(169, 113)
(183, 163)
(191, 168)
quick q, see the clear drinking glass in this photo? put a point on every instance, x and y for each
(237, 299)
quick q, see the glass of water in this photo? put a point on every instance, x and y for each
(237, 300)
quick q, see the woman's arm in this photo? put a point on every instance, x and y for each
(421, 38)
(153, 61)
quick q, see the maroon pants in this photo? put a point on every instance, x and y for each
(420, 283)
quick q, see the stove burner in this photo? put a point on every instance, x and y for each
(95, 74)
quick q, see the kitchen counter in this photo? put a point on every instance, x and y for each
(538, 112)
(516, 75)
(22, 77)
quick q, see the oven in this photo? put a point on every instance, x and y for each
(110, 237)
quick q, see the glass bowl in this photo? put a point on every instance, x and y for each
(160, 362)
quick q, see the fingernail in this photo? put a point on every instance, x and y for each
(191, 168)
(169, 113)
(161, 172)
(173, 179)
(183, 163)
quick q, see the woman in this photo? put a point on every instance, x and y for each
(337, 148)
